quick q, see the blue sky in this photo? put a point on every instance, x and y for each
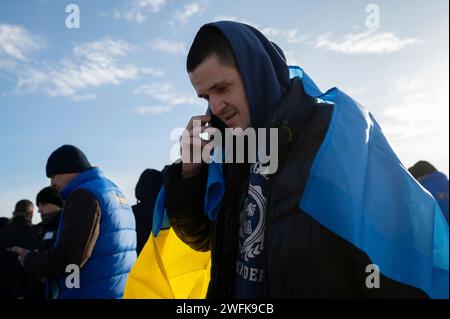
(116, 87)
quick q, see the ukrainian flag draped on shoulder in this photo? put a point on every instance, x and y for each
(359, 189)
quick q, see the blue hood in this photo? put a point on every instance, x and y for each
(262, 67)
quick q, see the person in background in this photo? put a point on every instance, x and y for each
(49, 205)
(19, 232)
(4, 221)
(96, 234)
(147, 189)
(434, 181)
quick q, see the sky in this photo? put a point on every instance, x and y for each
(115, 84)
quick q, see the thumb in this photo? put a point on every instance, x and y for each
(15, 249)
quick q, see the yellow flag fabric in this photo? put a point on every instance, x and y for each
(167, 268)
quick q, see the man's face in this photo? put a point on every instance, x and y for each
(59, 181)
(45, 208)
(222, 87)
(29, 213)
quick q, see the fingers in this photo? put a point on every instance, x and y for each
(202, 118)
(191, 143)
(15, 249)
(194, 139)
(210, 130)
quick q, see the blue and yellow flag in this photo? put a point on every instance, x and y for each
(359, 189)
(168, 269)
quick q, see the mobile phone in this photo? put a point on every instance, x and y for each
(209, 113)
(215, 121)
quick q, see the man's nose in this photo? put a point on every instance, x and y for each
(216, 104)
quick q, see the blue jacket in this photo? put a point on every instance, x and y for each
(437, 184)
(105, 273)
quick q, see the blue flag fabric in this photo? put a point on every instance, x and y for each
(215, 189)
(359, 189)
(370, 199)
(160, 217)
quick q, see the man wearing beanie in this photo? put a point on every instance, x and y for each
(19, 232)
(49, 205)
(96, 232)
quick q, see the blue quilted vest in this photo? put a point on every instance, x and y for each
(437, 184)
(105, 273)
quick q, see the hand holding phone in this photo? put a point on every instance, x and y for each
(189, 140)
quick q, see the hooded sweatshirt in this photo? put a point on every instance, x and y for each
(265, 76)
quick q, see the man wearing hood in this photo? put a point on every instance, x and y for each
(262, 244)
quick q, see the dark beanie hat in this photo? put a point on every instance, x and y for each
(421, 168)
(67, 159)
(49, 195)
(148, 185)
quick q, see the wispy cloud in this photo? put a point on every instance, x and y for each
(189, 10)
(166, 93)
(408, 85)
(367, 42)
(6, 64)
(354, 91)
(291, 58)
(152, 71)
(91, 65)
(167, 97)
(143, 110)
(288, 35)
(421, 111)
(225, 17)
(85, 97)
(169, 46)
(136, 10)
(16, 45)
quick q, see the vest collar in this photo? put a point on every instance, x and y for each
(86, 176)
(432, 177)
